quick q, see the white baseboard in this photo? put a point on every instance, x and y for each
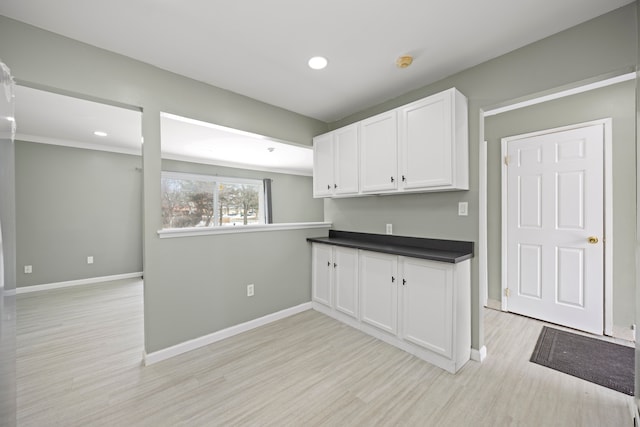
(479, 355)
(90, 281)
(9, 293)
(166, 353)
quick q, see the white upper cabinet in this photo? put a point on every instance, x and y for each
(335, 162)
(379, 153)
(433, 143)
(345, 149)
(419, 147)
(323, 165)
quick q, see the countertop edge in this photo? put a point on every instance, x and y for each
(433, 254)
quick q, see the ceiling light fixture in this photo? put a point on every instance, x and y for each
(270, 149)
(318, 62)
(100, 133)
(404, 61)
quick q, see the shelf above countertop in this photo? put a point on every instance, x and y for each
(451, 251)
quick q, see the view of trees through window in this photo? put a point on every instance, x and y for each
(204, 201)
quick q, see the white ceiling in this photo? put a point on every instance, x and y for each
(260, 48)
(52, 118)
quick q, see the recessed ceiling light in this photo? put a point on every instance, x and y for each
(318, 62)
(100, 133)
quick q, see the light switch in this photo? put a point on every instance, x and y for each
(463, 208)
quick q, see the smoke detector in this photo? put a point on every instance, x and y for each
(404, 61)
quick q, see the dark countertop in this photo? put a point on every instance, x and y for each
(451, 251)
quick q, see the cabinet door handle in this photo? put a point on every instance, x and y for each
(392, 180)
(328, 187)
(393, 279)
(335, 265)
(404, 179)
(404, 282)
(328, 263)
(335, 185)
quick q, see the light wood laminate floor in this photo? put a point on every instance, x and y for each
(79, 354)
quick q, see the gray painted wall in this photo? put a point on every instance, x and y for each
(175, 285)
(72, 203)
(600, 47)
(617, 102)
(183, 298)
(291, 195)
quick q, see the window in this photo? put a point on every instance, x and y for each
(190, 200)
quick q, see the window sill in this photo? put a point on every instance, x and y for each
(196, 231)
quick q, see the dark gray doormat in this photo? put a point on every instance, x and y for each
(607, 364)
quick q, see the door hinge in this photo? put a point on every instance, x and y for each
(507, 292)
(507, 160)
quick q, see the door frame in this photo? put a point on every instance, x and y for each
(608, 212)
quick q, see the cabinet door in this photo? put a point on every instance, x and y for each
(426, 142)
(322, 269)
(345, 262)
(427, 304)
(346, 161)
(323, 181)
(379, 288)
(379, 153)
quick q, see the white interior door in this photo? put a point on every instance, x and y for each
(555, 224)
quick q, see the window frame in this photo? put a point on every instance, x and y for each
(215, 180)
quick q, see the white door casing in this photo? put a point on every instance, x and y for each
(554, 203)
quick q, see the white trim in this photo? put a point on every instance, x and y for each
(78, 144)
(166, 353)
(503, 232)
(608, 226)
(90, 281)
(235, 165)
(479, 355)
(562, 94)
(9, 292)
(607, 124)
(252, 228)
(482, 250)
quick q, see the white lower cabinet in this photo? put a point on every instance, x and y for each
(335, 278)
(379, 290)
(427, 304)
(420, 306)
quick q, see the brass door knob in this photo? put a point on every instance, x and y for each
(593, 240)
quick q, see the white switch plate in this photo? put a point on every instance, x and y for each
(463, 208)
(389, 228)
(250, 290)
(28, 269)
(89, 260)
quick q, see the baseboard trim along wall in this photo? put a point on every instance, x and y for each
(89, 281)
(160, 355)
(479, 355)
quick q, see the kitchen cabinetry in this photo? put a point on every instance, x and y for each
(433, 143)
(378, 277)
(379, 153)
(419, 147)
(335, 278)
(335, 162)
(420, 305)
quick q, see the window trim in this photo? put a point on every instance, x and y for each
(250, 228)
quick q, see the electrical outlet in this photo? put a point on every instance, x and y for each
(389, 228)
(28, 269)
(250, 290)
(89, 260)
